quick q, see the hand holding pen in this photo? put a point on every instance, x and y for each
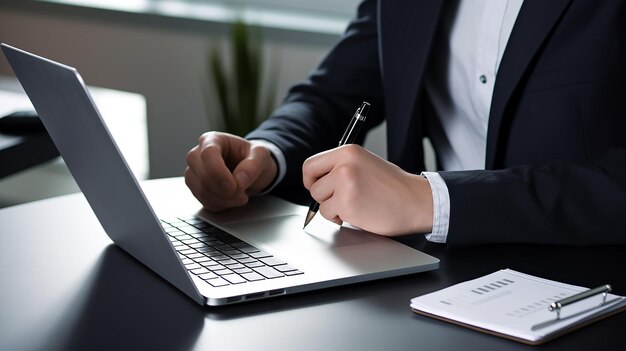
(351, 184)
(352, 131)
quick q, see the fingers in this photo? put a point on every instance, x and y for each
(329, 210)
(356, 186)
(249, 173)
(323, 189)
(317, 166)
(207, 163)
(332, 177)
(211, 201)
(224, 170)
(208, 175)
(337, 193)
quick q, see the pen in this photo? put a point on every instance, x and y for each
(557, 305)
(355, 125)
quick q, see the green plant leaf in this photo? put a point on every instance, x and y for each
(220, 82)
(240, 92)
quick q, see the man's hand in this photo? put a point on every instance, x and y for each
(224, 170)
(354, 185)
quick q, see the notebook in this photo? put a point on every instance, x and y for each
(515, 305)
(256, 252)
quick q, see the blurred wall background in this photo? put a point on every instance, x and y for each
(161, 57)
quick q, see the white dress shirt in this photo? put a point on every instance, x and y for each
(460, 89)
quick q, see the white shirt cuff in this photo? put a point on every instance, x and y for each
(281, 163)
(441, 207)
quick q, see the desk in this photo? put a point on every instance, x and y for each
(65, 286)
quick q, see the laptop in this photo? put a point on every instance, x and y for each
(254, 252)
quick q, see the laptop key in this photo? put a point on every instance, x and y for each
(193, 265)
(216, 267)
(252, 276)
(180, 246)
(190, 241)
(189, 229)
(183, 237)
(284, 268)
(207, 276)
(217, 282)
(229, 239)
(172, 231)
(223, 247)
(254, 264)
(227, 262)
(207, 250)
(200, 235)
(222, 271)
(268, 272)
(219, 257)
(193, 220)
(246, 260)
(235, 266)
(271, 261)
(259, 254)
(200, 270)
(202, 259)
(209, 264)
(247, 248)
(242, 270)
(296, 272)
(203, 225)
(199, 246)
(239, 256)
(234, 278)
(213, 242)
(177, 223)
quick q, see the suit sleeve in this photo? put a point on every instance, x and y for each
(315, 113)
(561, 203)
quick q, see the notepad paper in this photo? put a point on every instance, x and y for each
(514, 304)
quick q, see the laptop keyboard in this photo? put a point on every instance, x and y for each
(219, 258)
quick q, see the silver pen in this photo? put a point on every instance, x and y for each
(557, 305)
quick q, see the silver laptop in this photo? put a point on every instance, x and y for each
(255, 252)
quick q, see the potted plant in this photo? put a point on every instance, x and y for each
(243, 101)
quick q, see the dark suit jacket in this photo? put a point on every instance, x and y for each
(556, 145)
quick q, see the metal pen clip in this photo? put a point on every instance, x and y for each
(557, 305)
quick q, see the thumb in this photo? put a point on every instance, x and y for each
(249, 169)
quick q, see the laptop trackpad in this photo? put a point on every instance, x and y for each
(286, 232)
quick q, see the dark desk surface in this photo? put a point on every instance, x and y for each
(65, 286)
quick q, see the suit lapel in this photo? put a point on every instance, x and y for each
(534, 22)
(406, 30)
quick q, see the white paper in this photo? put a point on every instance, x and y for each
(513, 303)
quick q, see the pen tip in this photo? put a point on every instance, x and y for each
(309, 217)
